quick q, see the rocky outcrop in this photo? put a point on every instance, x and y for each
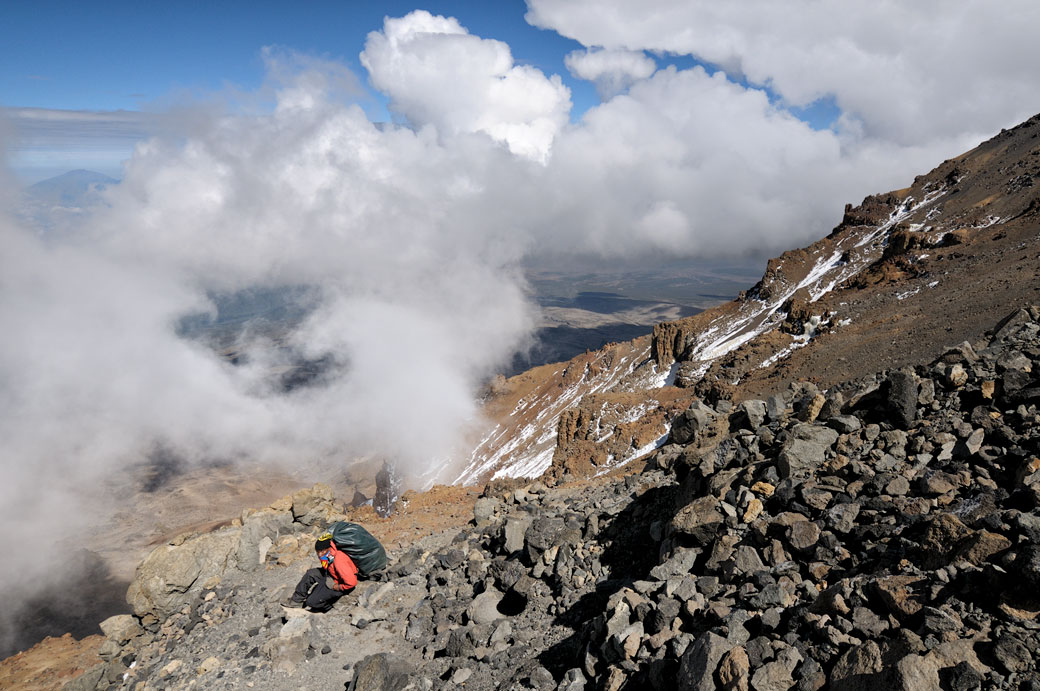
(174, 573)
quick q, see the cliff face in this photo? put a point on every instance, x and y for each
(902, 275)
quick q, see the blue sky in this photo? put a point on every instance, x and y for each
(133, 56)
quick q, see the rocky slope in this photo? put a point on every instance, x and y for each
(903, 274)
(882, 534)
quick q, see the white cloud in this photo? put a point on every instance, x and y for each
(613, 71)
(418, 304)
(437, 73)
(912, 73)
(690, 163)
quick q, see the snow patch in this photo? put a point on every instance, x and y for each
(905, 294)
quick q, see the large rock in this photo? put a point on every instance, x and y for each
(900, 391)
(916, 673)
(169, 576)
(800, 458)
(692, 423)
(484, 608)
(379, 673)
(856, 668)
(313, 505)
(698, 664)
(513, 533)
(700, 519)
(121, 628)
(939, 538)
(259, 531)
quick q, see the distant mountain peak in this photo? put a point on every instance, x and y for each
(73, 188)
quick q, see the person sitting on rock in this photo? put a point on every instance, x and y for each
(322, 586)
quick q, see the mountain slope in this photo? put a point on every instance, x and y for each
(904, 274)
(877, 541)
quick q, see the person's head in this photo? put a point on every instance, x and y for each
(323, 548)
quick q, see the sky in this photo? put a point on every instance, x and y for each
(144, 57)
(405, 164)
(105, 64)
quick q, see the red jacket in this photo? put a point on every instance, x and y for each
(342, 569)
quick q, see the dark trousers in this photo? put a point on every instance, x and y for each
(312, 591)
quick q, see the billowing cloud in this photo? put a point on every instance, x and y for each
(612, 71)
(908, 73)
(417, 303)
(435, 72)
(688, 163)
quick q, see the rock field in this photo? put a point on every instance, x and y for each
(884, 534)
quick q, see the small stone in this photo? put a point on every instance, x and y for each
(845, 424)
(121, 628)
(208, 665)
(484, 608)
(701, 519)
(868, 623)
(898, 487)
(842, 517)
(698, 664)
(514, 531)
(753, 511)
(461, 675)
(484, 510)
(763, 489)
(956, 376)
(935, 483)
(974, 442)
(171, 667)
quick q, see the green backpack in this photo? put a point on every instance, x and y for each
(366, 552)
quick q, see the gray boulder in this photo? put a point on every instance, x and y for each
(698, 664)
(169, 576)
(689, 425)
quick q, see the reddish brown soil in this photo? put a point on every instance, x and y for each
(50, 663)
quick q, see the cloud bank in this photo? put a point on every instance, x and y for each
(905, 73)
(410, 235)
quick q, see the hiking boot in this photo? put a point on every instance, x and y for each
(292, 603)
